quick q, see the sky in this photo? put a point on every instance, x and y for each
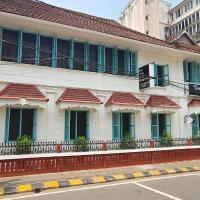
(103, 8)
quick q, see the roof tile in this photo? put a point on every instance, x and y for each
(194, 102)
(119, 98)
(161, 101)
(17, 91)
(78, 96)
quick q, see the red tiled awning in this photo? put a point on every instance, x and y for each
(194, 102)
(126, 99)
(73, 95)
(161, 101)
(18, 91)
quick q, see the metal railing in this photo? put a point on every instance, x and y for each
(13, 148)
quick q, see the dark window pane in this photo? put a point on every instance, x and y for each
(160, 71)
(109, 60)
(29, 48)
(10, 45)
(121, 63)
(161, 124)
(27, 122)
(72, 125)
(125, 123)
(93, 58)
(14, 124)
(81, 123)
(46, 51)
(63, 53)
(78, 56)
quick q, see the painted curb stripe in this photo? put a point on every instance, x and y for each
(93, 180)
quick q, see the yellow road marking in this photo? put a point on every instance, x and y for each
(154, 172)
(51, 184)
(24, 188)
(170, 171)
(138, 174)
(183, 169)
(99, 179)
(75, 182)
(1, 191)
(119, 177)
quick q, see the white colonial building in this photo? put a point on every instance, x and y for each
(65, 74)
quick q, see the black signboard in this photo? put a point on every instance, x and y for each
(144, 81)
(194, 89)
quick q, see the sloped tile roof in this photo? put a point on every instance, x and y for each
(161, 101)
(78, 96)
(194, 102)
(17, 91)
(118, 98)
(39, 10)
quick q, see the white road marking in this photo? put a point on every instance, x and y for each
(90, 187)
(158, 192)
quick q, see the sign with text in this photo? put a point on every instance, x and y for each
(145, 73)
(194, 89)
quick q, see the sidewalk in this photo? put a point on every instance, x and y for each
(29, 183)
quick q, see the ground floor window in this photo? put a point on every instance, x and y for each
(77, 123)
(196, 125)
(20, 122)
(160, 123)
(123, 123)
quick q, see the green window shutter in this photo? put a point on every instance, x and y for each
(71, 60)
(132, 124)
(7, 124)
(101, 58)
(1, 38)
(116, 125)
(195, 125)
(198, 73)
(86, 57)
(134, 63)
(115, 61)
(168, 123)
(193, 72)
(88, 125)
(155, 126)
(156, 74)
(166, 74)
(37, 59)
(34, 125)
(54, 52)
(186, 71)
(67, 125)
(127, 62)
(19, 55)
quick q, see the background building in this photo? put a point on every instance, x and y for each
(147, 16)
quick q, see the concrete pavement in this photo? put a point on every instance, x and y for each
(176, 186)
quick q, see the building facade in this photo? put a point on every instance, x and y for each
(149, 17)
(185, 17)
(66, 74)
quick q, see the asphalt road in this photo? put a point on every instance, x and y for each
(177, 187)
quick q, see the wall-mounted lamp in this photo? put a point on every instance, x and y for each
(188, 119)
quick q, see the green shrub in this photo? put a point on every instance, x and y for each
(81, 144)
(196, 139)
(23, 145)
(128, 142)
(166, 139)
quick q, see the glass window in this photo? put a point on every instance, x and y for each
(29, 48)
(10, 45)
(63, 53)
(21, 122)
(121, 62)
(161, 75)
(108, 60)
(46, 45)
(78, 56)
(93, 58)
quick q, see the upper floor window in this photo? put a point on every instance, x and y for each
(191, 71)
(29, 48)
(178, 13)
(161, 73)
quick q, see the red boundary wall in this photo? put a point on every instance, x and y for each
(39, 165)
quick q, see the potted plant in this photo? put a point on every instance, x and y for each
(81, 144)
(196, 139)
(23, 145)
(128, 142)
(166, 139)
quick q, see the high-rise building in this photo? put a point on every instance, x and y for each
(147, 16)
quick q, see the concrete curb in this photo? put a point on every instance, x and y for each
(38, 187)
